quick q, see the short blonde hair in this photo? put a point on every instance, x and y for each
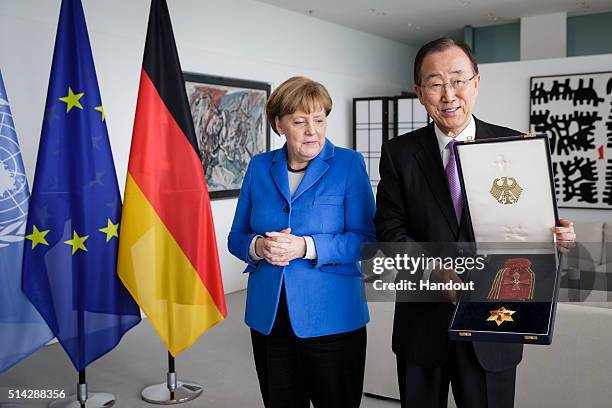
(294, 94)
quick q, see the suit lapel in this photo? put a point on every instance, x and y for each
(279, 172)
(316, 169)
(430, 161)
(482, 130)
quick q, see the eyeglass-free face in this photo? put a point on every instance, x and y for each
(448, 89)
(305, 133)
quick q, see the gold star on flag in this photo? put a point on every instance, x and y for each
(72, 100)
(501, 315)
(110, 230)
(37, 237)
(77, 242)
(101, 110)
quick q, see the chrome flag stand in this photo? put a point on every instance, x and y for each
(172, 391)
(83, 399)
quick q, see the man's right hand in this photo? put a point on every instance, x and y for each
(444, 276)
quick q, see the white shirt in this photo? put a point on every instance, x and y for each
(443, 139)
(295, 178)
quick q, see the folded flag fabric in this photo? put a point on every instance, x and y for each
(70, 260)
(168, 255)
(23, 329)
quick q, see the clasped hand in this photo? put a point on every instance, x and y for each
(279, 248)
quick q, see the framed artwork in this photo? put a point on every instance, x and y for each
(229, 116)
(575, 111)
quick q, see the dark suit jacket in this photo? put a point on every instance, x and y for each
(414, 204)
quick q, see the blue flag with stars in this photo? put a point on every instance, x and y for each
(23, 329)
(70, 256)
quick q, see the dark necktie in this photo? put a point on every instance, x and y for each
(454, 185)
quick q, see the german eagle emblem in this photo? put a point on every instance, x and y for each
(506, 190)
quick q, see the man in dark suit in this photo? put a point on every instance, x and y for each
(419, 199)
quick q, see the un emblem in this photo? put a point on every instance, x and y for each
(13, 182)
(506, 190)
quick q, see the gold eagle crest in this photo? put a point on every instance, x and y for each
(506, 190)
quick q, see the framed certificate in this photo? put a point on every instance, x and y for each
(510, 201)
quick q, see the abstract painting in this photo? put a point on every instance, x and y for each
(230, 125)
(576, 112)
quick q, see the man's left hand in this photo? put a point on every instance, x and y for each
(565, 235)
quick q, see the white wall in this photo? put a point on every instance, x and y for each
(544, 36)
(504, 99)
(235, 38)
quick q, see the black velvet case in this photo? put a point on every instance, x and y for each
(531, 317)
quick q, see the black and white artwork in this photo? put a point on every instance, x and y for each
(576, 113)
(229, 116)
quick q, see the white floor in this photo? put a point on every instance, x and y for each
(221, 360)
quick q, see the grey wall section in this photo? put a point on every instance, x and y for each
(544, 36)
(589, 35)
(498, 43)
(586, 35)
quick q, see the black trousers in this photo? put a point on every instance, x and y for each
(326, 370)
(473, 386)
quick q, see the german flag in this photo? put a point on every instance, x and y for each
(168, 257)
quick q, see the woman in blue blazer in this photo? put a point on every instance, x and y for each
(304, 211)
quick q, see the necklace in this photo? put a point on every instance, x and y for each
(292, 170)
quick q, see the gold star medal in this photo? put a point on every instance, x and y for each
(501, 315)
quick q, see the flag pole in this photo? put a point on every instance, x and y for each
(83, 398)
(172, 391)
(171, 376)
(82, 388)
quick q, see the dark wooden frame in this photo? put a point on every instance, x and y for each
(235, 83)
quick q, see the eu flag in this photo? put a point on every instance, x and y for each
(23, 330)
(69, 269)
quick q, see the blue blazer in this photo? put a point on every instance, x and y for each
(334, 205)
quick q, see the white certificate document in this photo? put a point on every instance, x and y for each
(508, 190)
